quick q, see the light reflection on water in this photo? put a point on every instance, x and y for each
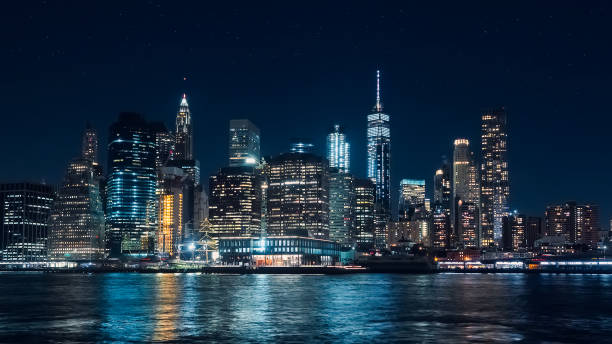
(450, 308)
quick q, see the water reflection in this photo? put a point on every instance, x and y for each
(166, 309)
(449, 308)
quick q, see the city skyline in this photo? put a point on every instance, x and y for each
(543, 127)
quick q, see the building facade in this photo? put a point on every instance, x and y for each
(466, 194)
(364, 203)
(298, 195)
(278, 251)
(25, 210)
(244, 143)
(131, 209)
(494, 175)
(235, 202)
(174, 186)
(411, 199)
(514, 234)
(341, 207)
(338, 150)
(577, 223)
(77, 230)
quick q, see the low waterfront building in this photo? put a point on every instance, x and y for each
(278, 251)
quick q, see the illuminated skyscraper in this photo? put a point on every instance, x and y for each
(341, 203)
(131, 187)
(379, 151)
(338, 150)
(411, 199)
(244, 143)
(495, 187)
(298, 195)
(235, 202)
(466, 189)
(172, 190)
(77, 223)
(183, 148)
(25, 210)
(365, 200)
(441, 212)
(442, 186)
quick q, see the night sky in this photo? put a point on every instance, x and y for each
(296, 70)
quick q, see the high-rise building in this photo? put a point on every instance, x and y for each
(364, 203)
(379, 152)
(183, 147)
(338, 150)
(171, 214)
(25, 210)
(514, 234)
(440, 227)
(587, 224)
(495, 186)
(89, 144)
(578, 223)
(235, 202)
(533, 230)
(411, 199)
(441, 214)
(165, 144)
(466, 189)
(442, 186)
(298, 195)
(244, 143)
(77, 229)
(341, 203)
(131, 209)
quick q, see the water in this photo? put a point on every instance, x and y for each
(447, 308)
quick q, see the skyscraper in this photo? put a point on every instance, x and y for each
(89, 144)
(244, 143)
(411, 199)
(183, 149)
(165, 144)
(365, 200)
(298, 195)
(171, 212)
(235, 202)
(379, 151)
(495, 186)
(466, 189)
(338, 150)
(77, 229)
(341, 202)
(25, 210)
(131, 187)
(442, 186)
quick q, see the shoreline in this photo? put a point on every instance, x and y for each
(310, 271)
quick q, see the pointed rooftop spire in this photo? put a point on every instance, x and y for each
(184, 100)
(378, 103)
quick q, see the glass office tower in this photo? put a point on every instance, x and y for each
(131, 187)
(338, 150)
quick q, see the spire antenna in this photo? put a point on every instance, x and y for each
(378, 104)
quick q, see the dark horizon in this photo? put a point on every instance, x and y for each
(296, 73)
